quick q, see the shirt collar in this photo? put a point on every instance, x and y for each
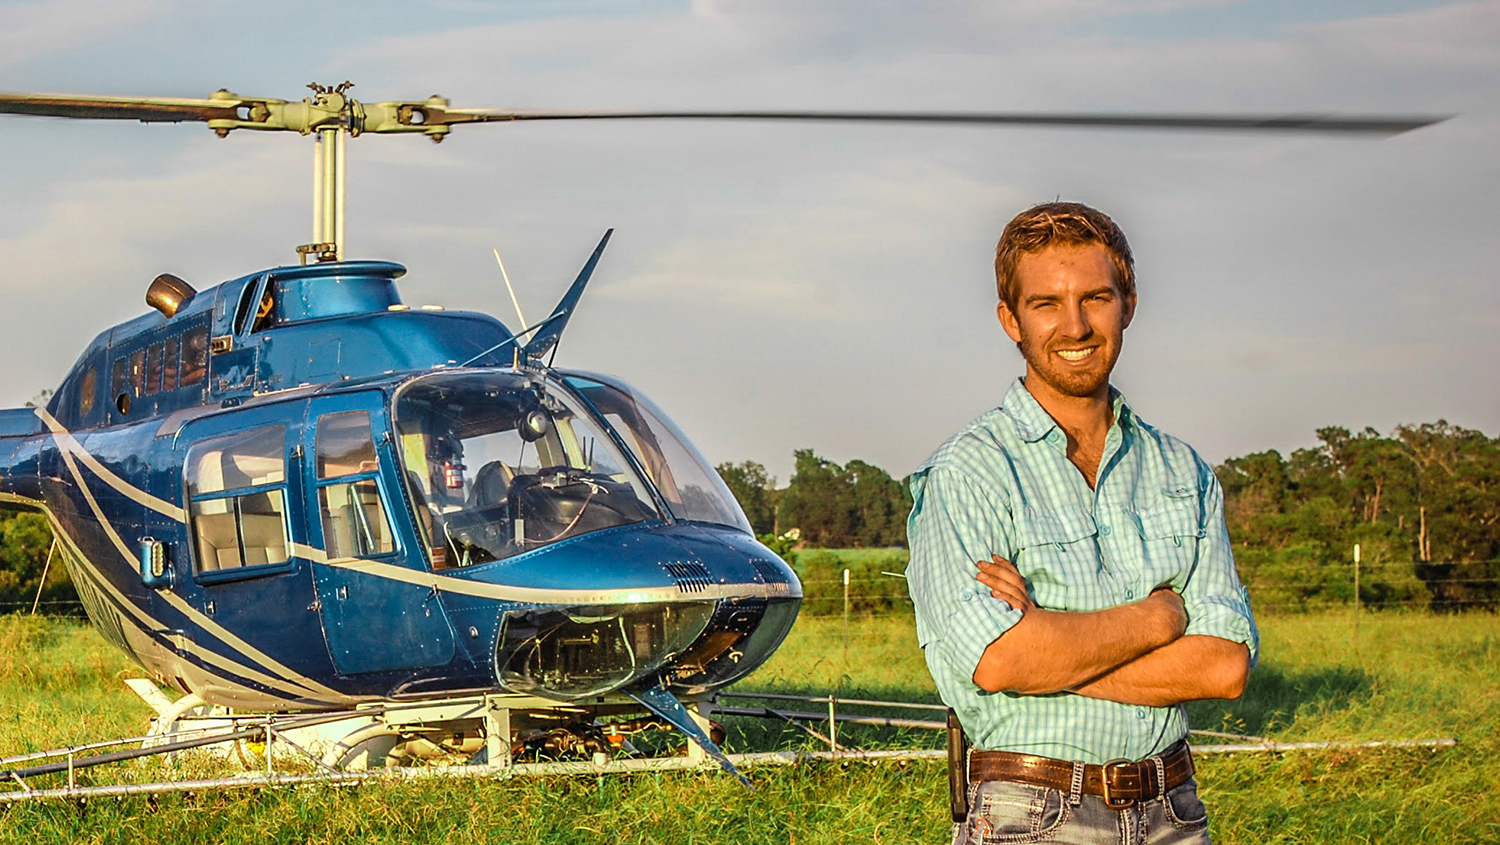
(1033, 422)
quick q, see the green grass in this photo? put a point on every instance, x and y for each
(1409, 676)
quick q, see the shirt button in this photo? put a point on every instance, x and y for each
(966, 595)
(1140, 714)
(1130, 594)
(1104, 529)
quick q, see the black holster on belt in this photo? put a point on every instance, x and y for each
(958, 769)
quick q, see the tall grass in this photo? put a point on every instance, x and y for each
(1407, 675)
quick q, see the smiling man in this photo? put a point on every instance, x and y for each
(1071, 569)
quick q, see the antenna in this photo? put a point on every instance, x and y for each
(513, 301)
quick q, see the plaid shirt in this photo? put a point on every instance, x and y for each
(1004, 485)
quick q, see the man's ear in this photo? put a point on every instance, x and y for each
(1129, 303)
(1009, 322)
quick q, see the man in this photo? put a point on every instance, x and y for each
(1071, 569)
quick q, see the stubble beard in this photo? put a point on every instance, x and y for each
(1077, 383)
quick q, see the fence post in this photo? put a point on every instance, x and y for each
(1356, 594)
(845, 636)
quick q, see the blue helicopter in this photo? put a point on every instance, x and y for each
(293, 492)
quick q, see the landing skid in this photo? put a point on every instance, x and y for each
(465, 736)
(484, 736)
(479, 736)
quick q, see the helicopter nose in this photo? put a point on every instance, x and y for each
(745, 629)
(690, 606)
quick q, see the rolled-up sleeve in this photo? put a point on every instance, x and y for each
(1217, 604)
(953, 524)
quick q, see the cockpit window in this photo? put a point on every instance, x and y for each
(692, 489)
(497, 465)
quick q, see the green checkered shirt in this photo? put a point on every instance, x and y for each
(1004, 485)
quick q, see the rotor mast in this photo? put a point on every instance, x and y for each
(328, 197)
(334, 117)
(327, 180)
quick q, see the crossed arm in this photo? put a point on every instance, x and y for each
(1134, 653)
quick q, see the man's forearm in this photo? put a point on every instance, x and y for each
(1188, 669)
(1050, 651)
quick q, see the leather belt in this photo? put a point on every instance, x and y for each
(1121, 783)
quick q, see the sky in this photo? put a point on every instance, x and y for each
(784, 286)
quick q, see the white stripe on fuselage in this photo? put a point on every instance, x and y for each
(68, 443)
(539, 595)
(291, 683)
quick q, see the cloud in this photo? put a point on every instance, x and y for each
(831, 238)
(45, 27)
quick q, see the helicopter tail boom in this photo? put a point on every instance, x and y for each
(20, 437)
(19, 422)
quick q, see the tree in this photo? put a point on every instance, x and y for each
(818, 501)
(839, 506)
(25, 539)
(755, 490)
(881, 504)
(1423, 504)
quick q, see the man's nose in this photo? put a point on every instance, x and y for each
(1075, 322)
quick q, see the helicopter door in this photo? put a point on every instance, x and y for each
(241, 500)
(373, 622)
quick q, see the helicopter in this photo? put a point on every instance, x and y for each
(292, 492)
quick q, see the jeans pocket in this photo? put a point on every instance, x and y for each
(1016, 812)
(1183, 809)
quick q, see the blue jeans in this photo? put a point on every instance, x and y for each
(1006, 812)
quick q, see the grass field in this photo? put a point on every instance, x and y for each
(1409, 676)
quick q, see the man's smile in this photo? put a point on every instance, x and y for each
(1075, 354)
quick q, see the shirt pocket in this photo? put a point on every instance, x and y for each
(1170, 530)
(1057, 552)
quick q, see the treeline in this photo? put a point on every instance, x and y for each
(856, 505)
(1422, 504)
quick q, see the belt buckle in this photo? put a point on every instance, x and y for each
(1109, 800)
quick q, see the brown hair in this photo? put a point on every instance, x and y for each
(1059, 224)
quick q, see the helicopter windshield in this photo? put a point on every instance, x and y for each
(690, 486)
(498, 465)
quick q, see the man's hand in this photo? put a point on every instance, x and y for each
(1005, 583)
(1169, 604)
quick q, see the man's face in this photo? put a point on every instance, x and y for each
(1069, 319)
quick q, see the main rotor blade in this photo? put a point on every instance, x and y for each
(1373, 124)
(144, 109)
(226, 111)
